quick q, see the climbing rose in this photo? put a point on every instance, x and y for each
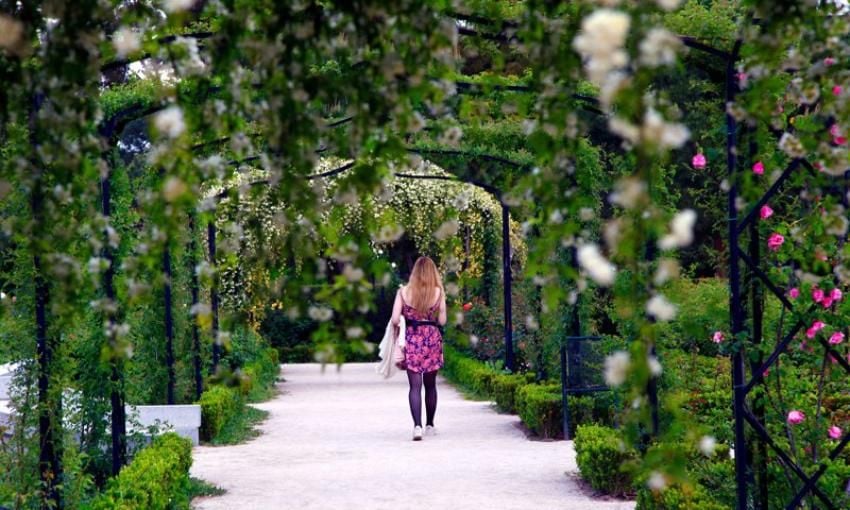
(758, 168)
(813, 330)
(835, 432)
(616, 367)
(796, 417)
(837, 90)
(836, 294)
(707, 445)
(774, 242)
(698, 161)
(817, 295)
(836, 338)
(596, 265)
(794, 293)
(837, 133)
(828, 61)
(717, 337)
(765, 212)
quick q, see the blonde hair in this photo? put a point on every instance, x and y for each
(423, 280)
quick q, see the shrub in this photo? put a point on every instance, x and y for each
(471, 375)
(157, 479)
(695, 497)
(540, 408)
(504, 389)
(602, 458)
(218, 405)
(260, 375)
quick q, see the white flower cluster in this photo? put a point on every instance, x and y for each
(601, 43)
(596, 265)
(654, 131)
(177, 5)
(448, 229)
(616, 368)
(660, 308)
(169, 122)
(681, 231)
(659, 48)
(126, 42)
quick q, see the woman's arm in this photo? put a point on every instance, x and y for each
(442, 318)
(396, 317)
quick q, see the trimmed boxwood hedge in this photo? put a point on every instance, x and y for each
(156, 479)
(539, 407)
(218, 406)
(602, 456)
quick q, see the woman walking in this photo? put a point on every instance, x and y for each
(422, 302)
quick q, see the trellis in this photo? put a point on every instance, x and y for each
(750, 258)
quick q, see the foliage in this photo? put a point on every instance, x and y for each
(157, 479)
(241, 427)
(541, 409)
(219, 405)
(604, 459)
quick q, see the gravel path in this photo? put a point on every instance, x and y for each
(341, 440)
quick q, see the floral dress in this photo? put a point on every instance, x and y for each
(423, 351)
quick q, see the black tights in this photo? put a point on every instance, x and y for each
(416, 379)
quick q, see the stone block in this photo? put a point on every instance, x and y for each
(185, 420)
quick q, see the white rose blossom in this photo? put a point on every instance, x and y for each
(659, 48)
(596, 265)
(600, 42)
(170, 122)
(660, 308)
(616, 368)
(126, 42)
(681, 231)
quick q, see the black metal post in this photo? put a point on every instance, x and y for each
(565, 405)
(118, 418)
(169, 323)
(49, 423)
(506, 269)
(735, 303)
(196, 337)
(216, 349)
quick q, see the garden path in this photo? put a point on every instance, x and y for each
(342, 440)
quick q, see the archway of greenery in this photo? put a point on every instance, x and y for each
(388, 72)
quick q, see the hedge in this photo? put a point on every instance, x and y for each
(504, 390)
(156, 479)
(602, 456)
(677, 498)
(262, 373)
(219, 405)
(540, 408)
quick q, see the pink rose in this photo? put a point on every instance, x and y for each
(827, 302)
(758, 168)
(836, 294)
(794, 293)
(796, 417)
(836, 338)
(775, 241)
(829, 61)
(717, 337)
(814, 328)
(835, 432)
(742, 79)
(837, 90)
(817, 295)
(765, 212)
(699, 161)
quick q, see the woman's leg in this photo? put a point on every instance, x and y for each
(430, 379)
(415, 396)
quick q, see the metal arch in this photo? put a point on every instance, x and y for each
(510, 358)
